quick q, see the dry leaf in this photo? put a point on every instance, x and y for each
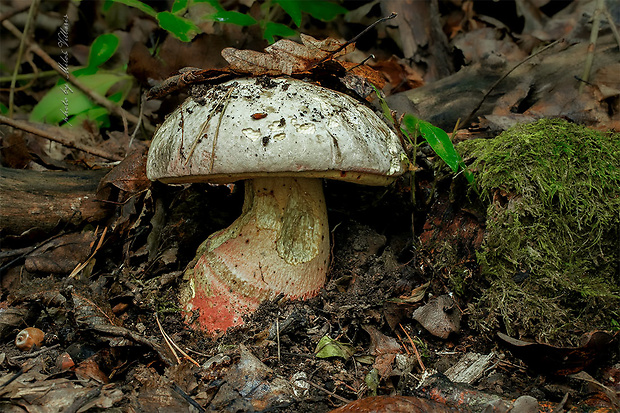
(62, 254)
(384, 349)
(439, 316)
(129, 175)
(285, 56)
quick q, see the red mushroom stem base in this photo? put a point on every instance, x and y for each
(279, 245)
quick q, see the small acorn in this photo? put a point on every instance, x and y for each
(28, 338)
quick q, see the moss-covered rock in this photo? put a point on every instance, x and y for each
(550, 260)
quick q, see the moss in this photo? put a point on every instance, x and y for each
(550, 258)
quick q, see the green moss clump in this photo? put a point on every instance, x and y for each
(550, 260)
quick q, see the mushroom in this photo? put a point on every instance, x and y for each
(281, 136)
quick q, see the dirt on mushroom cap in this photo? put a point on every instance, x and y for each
(323, 133)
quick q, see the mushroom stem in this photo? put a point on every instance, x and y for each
(279, 245)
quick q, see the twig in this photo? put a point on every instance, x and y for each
(140, 117)
(415, 349)
(94, 96)
(331, 393)
(498, 81)
(83, 265)
(31, 77)
(372, 56)
(203, 129)
(278, 337)
(170, 341)
(402, 341)
(188, 398)
(117, 331)
(217, 130)
(596, 24)
(24, 252)
(163, 334)
(29, 127)
(197, 352)
(35, 353)
(363, 32)
(22, 43)
(25, 368)
(612, 24)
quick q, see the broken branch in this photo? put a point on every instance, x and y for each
(29, 127)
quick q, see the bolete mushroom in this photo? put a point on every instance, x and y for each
(281, 136)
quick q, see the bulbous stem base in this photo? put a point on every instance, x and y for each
(279, 245)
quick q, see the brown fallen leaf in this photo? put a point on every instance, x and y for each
(400, 75)
(33, 390)
(62, 254)
(129, 175)
(384, 349)
(440, 316)
(89, 369)
(267, 389)
(285, 57)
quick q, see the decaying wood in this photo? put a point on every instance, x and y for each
(548, 82)
(43, 200)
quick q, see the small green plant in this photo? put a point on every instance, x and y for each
(64, 104)
(185, 29)
(412, 127)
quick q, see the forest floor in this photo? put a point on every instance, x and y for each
(93, 254)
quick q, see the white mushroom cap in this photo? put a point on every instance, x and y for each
(254, 127)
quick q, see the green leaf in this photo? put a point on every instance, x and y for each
(3, 108)
(292, 8)
(322, 10)
(117, 97)
(179, 5)
(102, 49)
(85, 71)
(138, 5)
(233, 17)
(372, 381)
(276, 29)
(439, 141)
(384, 106)
(179, 27)
(328, 347)
(64, 100)
(96, 114)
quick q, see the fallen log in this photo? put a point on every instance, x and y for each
(46, 200)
